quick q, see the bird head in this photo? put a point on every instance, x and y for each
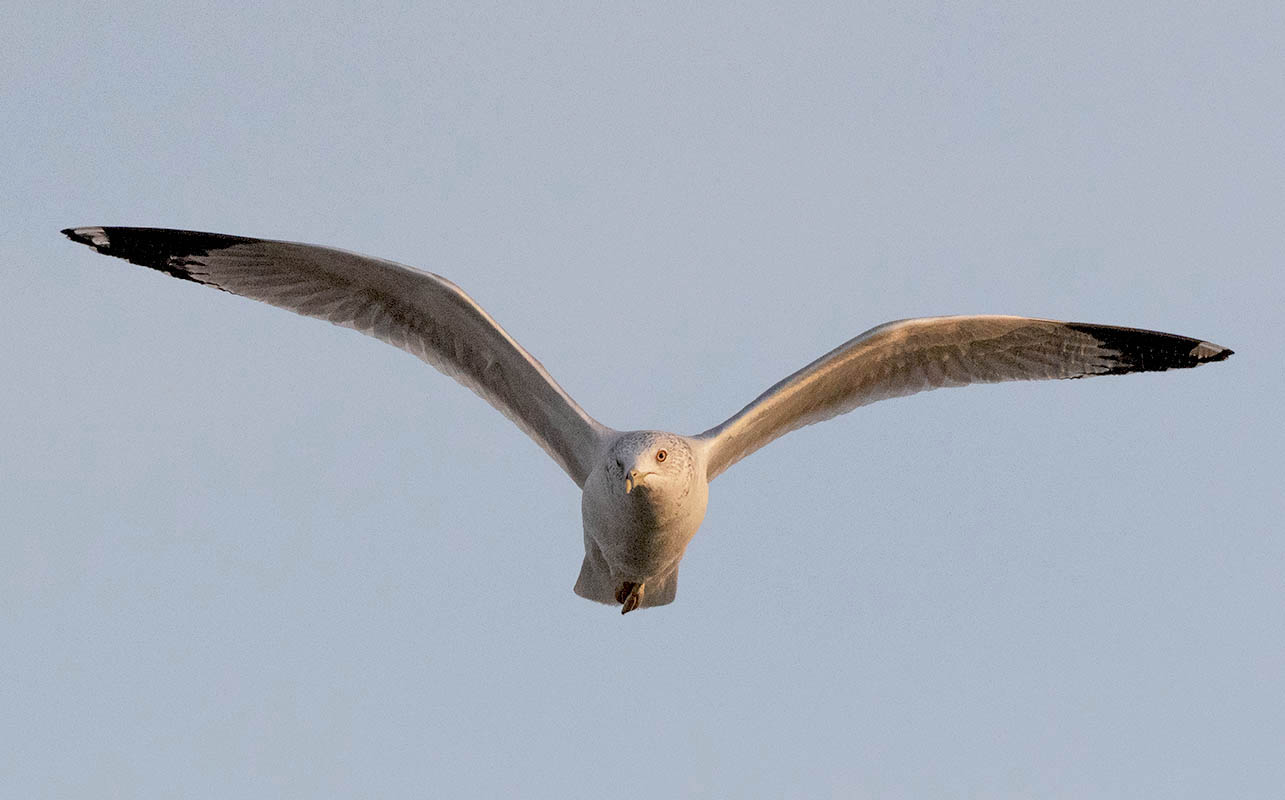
(646, 465)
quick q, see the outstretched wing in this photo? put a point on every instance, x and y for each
(423, 314)
(914, 355)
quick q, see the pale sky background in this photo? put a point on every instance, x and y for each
(248, 554)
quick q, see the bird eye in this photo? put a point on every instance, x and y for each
(661, 455)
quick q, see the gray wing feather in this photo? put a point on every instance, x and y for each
(424, 314)
(914, 355)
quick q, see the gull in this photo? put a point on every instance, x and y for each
(644, 492)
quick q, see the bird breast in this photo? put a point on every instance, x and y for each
(642, 533)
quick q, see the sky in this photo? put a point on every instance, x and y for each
(249, 554)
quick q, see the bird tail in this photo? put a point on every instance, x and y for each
(595, 581)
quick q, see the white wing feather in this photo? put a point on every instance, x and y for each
(914, 355)
(422, 313)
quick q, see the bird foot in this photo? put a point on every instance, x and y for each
(629, 595)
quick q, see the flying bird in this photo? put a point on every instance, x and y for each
(644, 492)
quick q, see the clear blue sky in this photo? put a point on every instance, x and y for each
(248, 554)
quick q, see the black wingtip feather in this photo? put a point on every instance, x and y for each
(1139, 350)
(161, 249)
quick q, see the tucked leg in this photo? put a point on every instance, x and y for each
(629, 595)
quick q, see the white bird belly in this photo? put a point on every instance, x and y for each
(640, 536)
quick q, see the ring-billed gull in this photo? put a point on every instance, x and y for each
(644, 492)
